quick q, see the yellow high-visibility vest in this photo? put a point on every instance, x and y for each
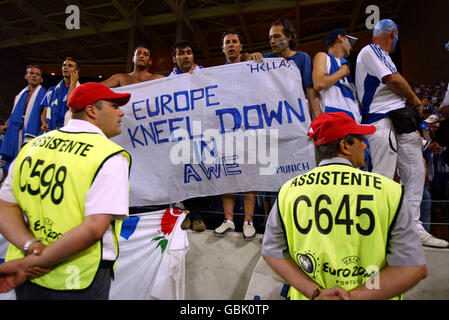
(52, 176)
(337, 221)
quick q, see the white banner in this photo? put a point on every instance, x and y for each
(151, 264)
(231, 128)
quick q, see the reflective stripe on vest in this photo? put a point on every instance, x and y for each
(52, 176)
(337, 220)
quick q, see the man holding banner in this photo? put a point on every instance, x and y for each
(184, 60)
(142, 61)
(282, 37)
(232, 47)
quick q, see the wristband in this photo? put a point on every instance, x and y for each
(29, 243)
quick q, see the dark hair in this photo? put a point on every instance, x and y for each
(142, 46)
(231, 31)
(329, 44)
(289, 30)
(35, 66)
(332, 149)
(76, 62)
(180, 44)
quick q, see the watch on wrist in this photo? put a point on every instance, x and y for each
(29, 243)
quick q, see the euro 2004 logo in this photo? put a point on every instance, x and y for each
(308, 263)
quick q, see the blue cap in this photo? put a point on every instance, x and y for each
(447, 46)
(333, 35)
(385, 26)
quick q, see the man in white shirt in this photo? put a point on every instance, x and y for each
(381, 90)
(88, 178)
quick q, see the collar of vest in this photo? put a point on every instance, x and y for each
(335, 160)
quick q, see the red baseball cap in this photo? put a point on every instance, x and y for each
(330, 126)
(90, 92)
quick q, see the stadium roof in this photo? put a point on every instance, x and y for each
(109, 29)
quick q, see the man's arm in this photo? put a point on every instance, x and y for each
(313, 97)
(314, 102)
(113, 81)
(12, 225)
(77, 239)
(274, 252)
(396, 83)
(393, 281)
(294, 276)
(321, 80)
(406, 263)
(12, 274)
(160, 76)
(44, 125)
(73, 81)
(91, 230)
(256, 56)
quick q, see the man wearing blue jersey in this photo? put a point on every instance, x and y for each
(384, 95)
(24, 117)
(332, 76)
(54, 112)
(282, 37)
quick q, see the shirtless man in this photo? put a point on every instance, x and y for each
(142, 61)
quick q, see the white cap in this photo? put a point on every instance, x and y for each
(432, 118)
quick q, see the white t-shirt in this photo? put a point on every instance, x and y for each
(376, 99)
(107, 195)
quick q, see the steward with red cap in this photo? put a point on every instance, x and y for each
(338, 232)
(72, 186)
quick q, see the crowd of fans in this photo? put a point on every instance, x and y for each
(210, 209)
(377, 98)
(434, 208)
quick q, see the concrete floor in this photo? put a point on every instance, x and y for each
(222, 268)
